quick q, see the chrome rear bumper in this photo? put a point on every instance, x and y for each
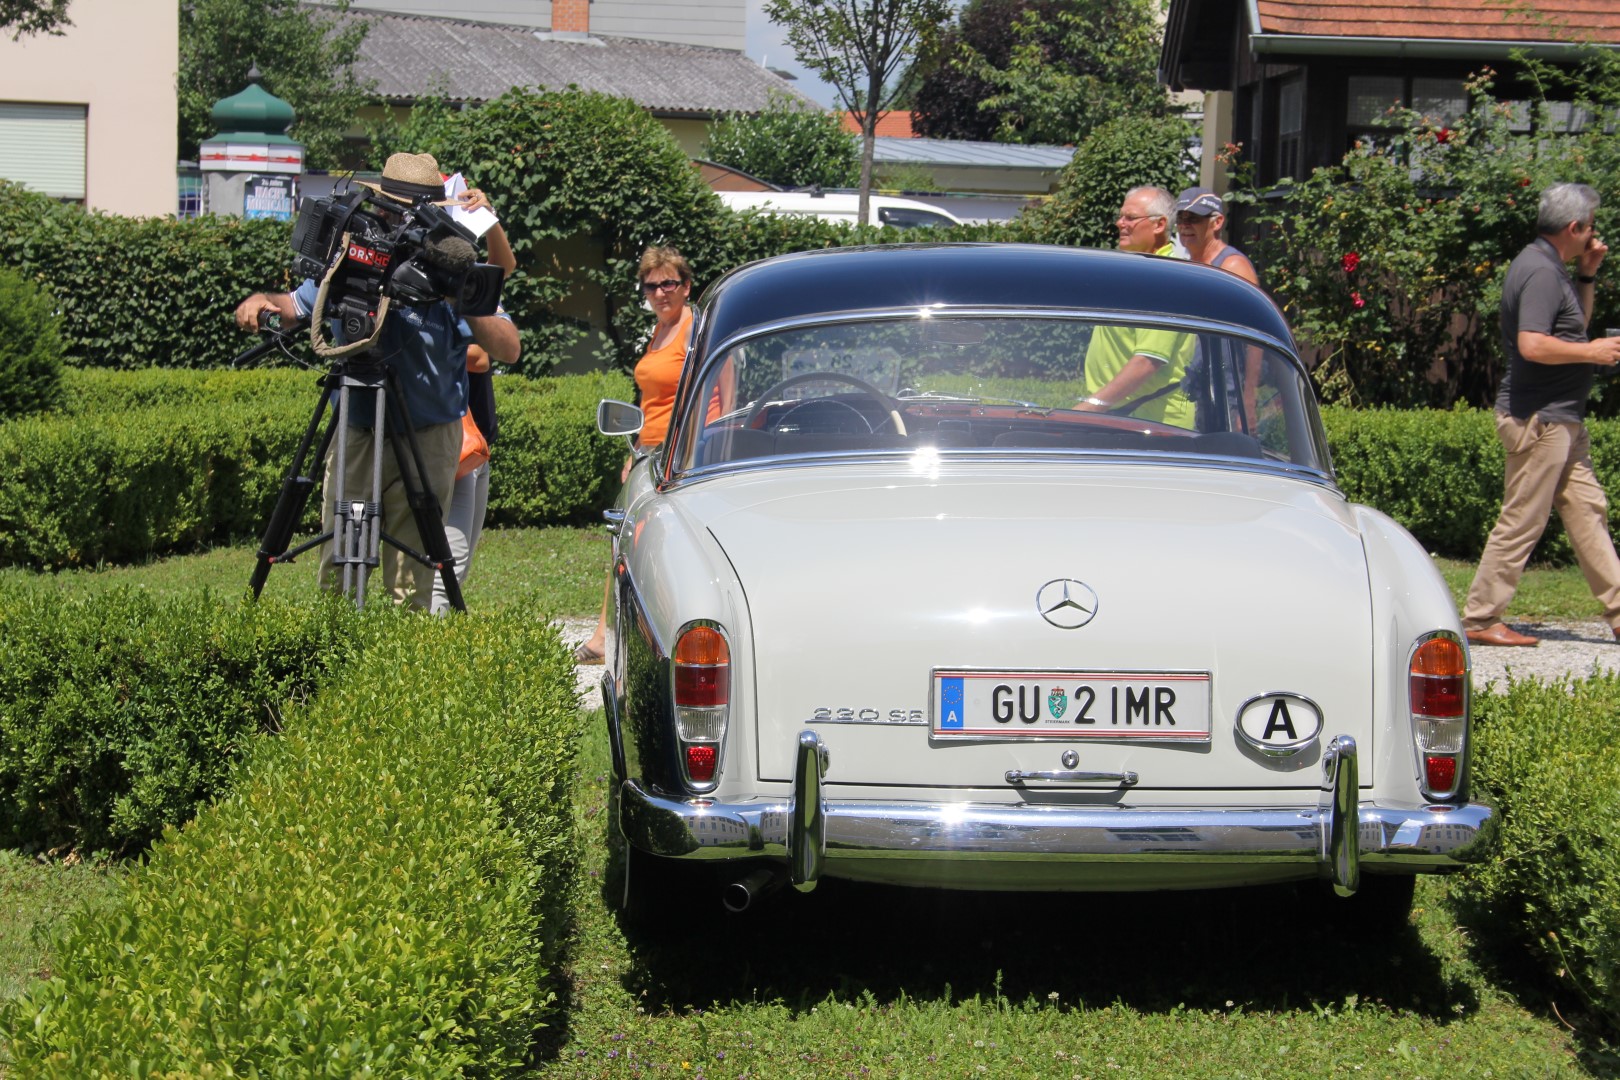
(1331, 839)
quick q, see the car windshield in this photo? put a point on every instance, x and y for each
(977, 384)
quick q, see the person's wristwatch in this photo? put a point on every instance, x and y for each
(1586, 279)
(1097, 401)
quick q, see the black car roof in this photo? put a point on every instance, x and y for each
(981, 275)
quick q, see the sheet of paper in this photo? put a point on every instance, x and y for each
(477, 221)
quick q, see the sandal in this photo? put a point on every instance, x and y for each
(584, 654)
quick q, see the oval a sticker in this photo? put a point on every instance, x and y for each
(1279, 723)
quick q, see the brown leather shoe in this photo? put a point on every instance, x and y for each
(1502, 634)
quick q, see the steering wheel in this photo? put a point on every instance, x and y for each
(883, 400)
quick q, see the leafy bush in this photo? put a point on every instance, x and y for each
(1390, 265)
(789, 144)
(120, 716)
(148, 292)
(1122, 154)
(385, 893)
(152, 463)
(1544, 756)
(30, 348)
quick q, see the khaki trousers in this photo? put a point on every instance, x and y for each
(1549, 465)
(405, 579)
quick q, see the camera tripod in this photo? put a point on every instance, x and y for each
(356, 532)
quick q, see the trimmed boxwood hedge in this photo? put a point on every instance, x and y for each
(386, 892)
(1439, 473)
(160, 462)
(1544, 756)
(120, 715)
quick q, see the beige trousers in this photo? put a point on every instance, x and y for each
(405, 579)
(1549, 465)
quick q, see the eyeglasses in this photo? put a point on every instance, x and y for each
(661, 286)
(1132, 219)
(1191, 219)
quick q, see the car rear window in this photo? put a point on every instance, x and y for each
(979, 384)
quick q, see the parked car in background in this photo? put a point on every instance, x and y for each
(842, 206)
(896, 603)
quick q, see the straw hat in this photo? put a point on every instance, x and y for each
(409, 177)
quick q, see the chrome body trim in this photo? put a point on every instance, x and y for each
(614, 516)
(1026, 455)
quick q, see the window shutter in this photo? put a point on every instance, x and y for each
(42, 147)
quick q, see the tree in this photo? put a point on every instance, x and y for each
(789, 144)
(860, 48)
(1041, 71)
(33, 17)
(305, 54)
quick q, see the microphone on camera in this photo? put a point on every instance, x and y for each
(450, 253)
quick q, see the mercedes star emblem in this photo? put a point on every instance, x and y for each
(1066, 603)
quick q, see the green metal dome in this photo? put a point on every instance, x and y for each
(255, 110)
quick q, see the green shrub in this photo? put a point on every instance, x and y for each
(1439, 473)
(153, 463)
(385, 892)
(1116, 157)
(550, 464)
(789, 144)
(30, 348)
(1544, 756)
(120, 715)
(142, 292)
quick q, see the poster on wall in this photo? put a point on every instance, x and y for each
(268, 197)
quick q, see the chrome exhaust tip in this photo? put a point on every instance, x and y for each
(740, 895)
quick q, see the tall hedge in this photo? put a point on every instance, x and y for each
(141, 292)
(386, 891)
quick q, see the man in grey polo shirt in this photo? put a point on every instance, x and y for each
(1540, 413)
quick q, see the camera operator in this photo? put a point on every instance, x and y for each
(425, 346)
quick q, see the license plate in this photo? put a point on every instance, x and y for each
(1147, 705)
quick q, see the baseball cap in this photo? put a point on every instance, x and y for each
(1200, 201)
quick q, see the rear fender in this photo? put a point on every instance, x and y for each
(1409, 599)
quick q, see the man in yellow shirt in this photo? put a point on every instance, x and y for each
(1133, 364)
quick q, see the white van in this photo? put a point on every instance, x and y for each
(842, 206)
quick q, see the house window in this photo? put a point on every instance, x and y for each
(1290, 126)
(1369, 99)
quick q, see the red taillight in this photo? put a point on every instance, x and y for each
(700, 762)
(1437, 691)
(1440, 772)
(702, 668)
(702, 677)
(1438, 679)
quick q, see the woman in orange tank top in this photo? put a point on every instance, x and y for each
(666, 283)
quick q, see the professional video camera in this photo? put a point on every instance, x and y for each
(423, 257)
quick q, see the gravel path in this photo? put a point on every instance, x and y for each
(1567, 648)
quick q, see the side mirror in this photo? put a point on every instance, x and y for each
(618, 418)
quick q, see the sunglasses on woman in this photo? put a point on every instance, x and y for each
(661, 286)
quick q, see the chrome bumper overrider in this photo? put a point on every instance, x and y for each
(1337, 834)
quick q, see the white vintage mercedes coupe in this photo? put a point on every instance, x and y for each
(1018, 568)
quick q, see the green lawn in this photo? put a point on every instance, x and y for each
(864, 981)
